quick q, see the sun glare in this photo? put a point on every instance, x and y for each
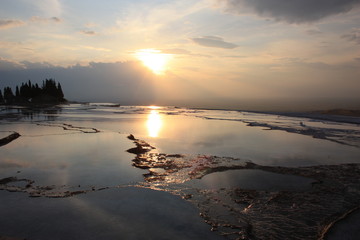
(154, 123)
(154, 59)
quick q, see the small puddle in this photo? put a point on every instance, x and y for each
(252, 179)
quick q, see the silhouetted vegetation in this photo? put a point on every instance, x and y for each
(50, 92)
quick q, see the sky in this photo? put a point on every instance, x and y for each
(240, 54)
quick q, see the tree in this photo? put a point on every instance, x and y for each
(60, 93)
(25, 91)
(17, 92)
(1, 97)
(37, 90)
(8, 95)
(50, 92)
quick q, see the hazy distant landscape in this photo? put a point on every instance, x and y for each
(169, 119)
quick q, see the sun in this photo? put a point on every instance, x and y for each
(153, 59)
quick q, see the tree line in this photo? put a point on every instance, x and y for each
(49, 92)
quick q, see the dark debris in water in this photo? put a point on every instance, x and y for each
(9, 138)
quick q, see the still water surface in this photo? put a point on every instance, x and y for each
(84, 147)
(86, 144)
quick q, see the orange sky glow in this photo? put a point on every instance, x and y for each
(208, 53)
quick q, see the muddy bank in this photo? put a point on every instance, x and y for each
(69, 127)
(344, 137)
(28, 186)
(239, 213)
(334, 115)
(252, 214)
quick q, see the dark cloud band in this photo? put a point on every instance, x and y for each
(216, 42)
(291, 11)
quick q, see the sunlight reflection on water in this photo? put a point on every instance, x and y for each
(154, 123)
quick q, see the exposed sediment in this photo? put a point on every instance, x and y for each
(344, 136)
(177, 168)
(234, 212)
(14, 184)
(284, 214)
(341, 136)
(141, 146)
(69, 127)
(238, 213)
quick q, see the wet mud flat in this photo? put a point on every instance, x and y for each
(320, 197)
(333, 192)
(237, 199)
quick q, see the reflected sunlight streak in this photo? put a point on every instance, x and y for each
(154, 123)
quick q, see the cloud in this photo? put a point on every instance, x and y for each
(45, 20)
(48, 7)
(7, 65)
(212, 41)
(96, 48)
(313, 32)
(5, 24)
(56, 19)
(88, 32)
(353, 36)
(179, 51)
(176, 51)
(294, 11)
(36, 65)
(235, 56)
(130, 83)
(126, 82)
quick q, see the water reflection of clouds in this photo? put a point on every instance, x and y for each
(12, 163)
(154, 123)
